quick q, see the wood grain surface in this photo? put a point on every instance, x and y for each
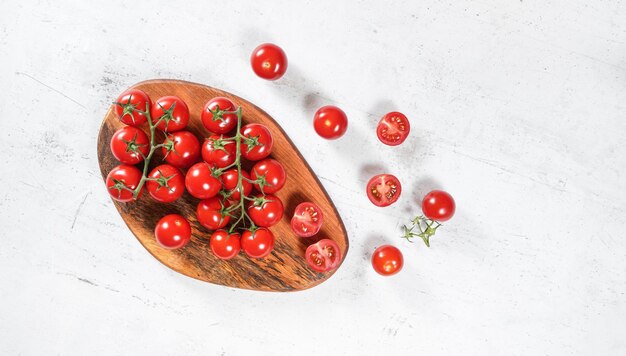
(285, 268)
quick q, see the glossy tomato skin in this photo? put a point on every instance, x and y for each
(307, 219)
(182, 149)
(169, 186)
(267, 213)
(219, 153)
(269, 61)
(177, 120)
(127, 175)
(263, 137)
(272, 172)
(132, 98)
(172, 231)
(224, 245)
(387, 260)
(438, 205)
(229, 183)
(218, 125)
(383, 189)
(210, 213)
(393, 128)
(323, 256)
(330, 122)
(257, 244)
(201, 182)
(130, 145)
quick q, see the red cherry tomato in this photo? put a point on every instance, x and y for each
(224, 245)
(266, 211)
(170, 114)
(212, 214)
(257, 244)
(215, 120)
(169, 184)
(181, 149)
(130, 106)
(272, 175)
(383, 190)
(438, 205)
(218, 152)
(330, 122)
(323, 256)
(269, 61)
(257, 142)
(121, 179)
(172, 231)
(387, 260)
(229, 182)
(307, 219)
(201, 181)
(393, 128)
(130, 145)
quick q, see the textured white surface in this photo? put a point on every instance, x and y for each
(518, 108)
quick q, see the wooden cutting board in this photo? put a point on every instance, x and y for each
(285, 269)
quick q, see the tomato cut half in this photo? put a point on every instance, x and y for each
(383, 189)
(393, 128)
(307, 219)
(323, 256)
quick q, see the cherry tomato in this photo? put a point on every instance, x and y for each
(212, 213)
(266, 211)
(229, 182)
(201, 181)
(383, 190)
(393, 128)
(269, 61)
(387, 260)
(171, 113)
(130, 145)
(257, 244)
(121, 179)
(271, 174)
(323, 256)
(307, 219)
(257, 143)
(172, 231)
(130, 106)
(181, 149)
(169, 184)
(218, 152)
(330, 122)
(438, 205)
(224, 245)
(215, 120)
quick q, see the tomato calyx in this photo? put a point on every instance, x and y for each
(128, 108)
(421, 227)
(219, 143)
(252, 142)
(218, 114)
(133, 146)
(119, 185)
(169, 146)
(168, 114)
(163, 180)
(261, 181)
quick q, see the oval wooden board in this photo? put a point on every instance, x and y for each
(285, 269)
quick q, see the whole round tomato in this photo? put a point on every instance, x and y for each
(166, 183)
(438, 205)
(387, 260)
(323, 256)
(271, 175)
(393, 128)
(213, 117)
(257, 142)
(131, 105)
(181, 149)
(130, 145)
(307, 219)
(224, 245)
(201, 181)
(383, 189)
(212, 213)
(266, 211)
(269, 61)
(172, 231)
(229, 182)
(218, 151)
(258, 243)
(122, 181)
(170, 114)
(330, 122)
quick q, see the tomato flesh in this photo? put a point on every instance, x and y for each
(307, 219)
(393, 128)
(323, 256)
(383, 189)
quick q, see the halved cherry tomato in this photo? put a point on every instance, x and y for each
(307, 219)
(323, 256)
(266, 211)
(269, 61)
(271, 175)
(387, 260)
(438, 205)
(224, 245)
(383, 189)
(213, 117)
(218, 151)
(131, 105)
(172, 231)
(212, 213)
(257, 244)
(201, 181)
(393, 128)
(257, 142)
(130, 145)
(170, 113)
(181, 149)
(168, 185)
(122, 180)
(330, 122)
(229, 182)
